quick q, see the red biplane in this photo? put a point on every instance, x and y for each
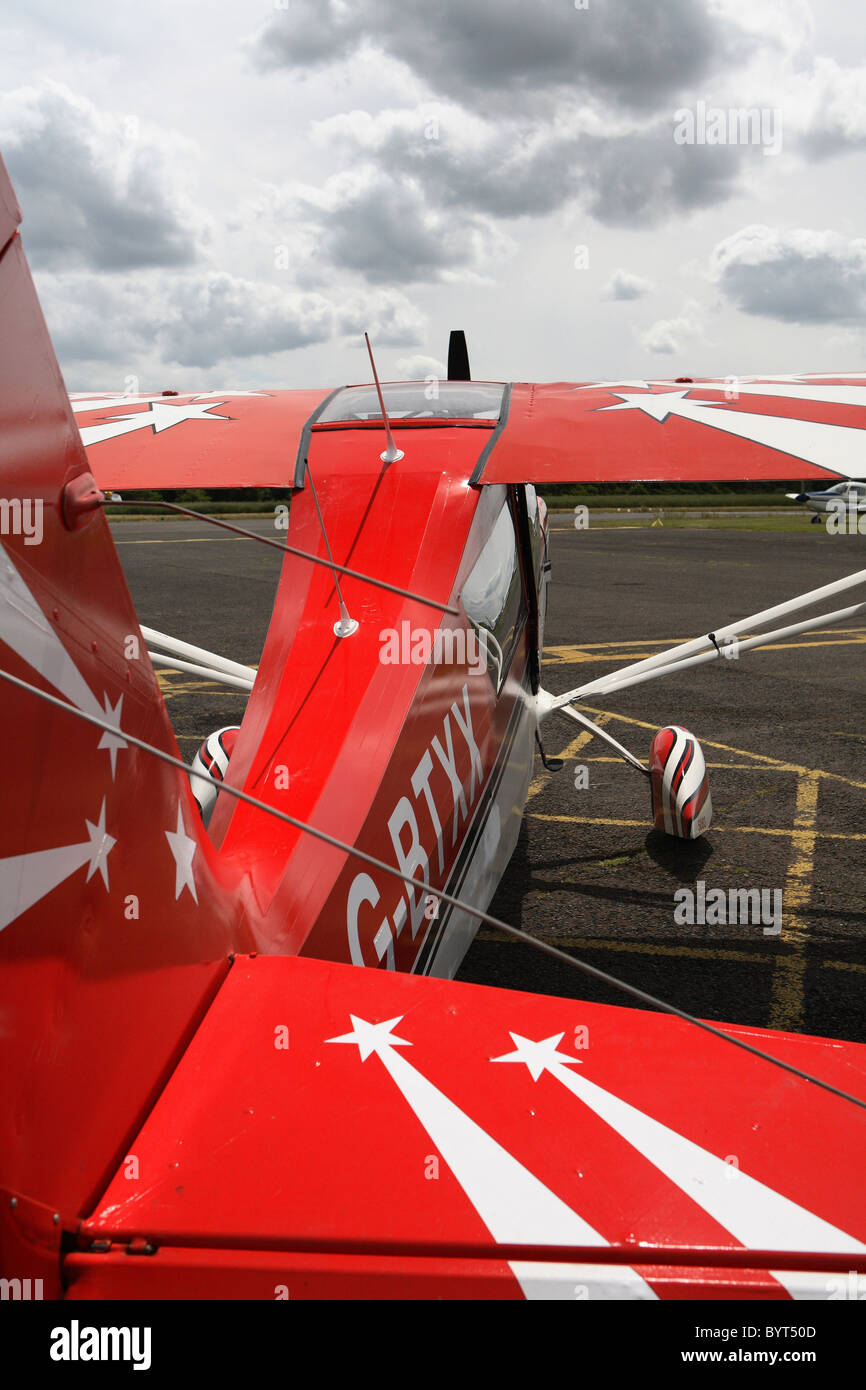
(195, 1068)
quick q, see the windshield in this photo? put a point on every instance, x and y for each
(417, 400)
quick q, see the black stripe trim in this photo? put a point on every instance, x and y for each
(687, 753)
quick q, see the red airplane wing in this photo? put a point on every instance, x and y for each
(767, 428)
(754, 429)
(214, 439)
(344, 1133)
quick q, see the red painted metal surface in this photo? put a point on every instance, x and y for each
(30, 1236)
(262, 1275)
(105, 969)
(277, 1275)
(348, 729)
(145, 1091)
(271, 1137)
(760, 429)
(215, 439)
(661, 432)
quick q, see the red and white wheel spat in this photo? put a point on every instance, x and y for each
(681, 800)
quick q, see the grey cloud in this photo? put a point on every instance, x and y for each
(97, 320)
(488, 51)
(218, 316)
(799, 276)
(419, 211)
(388, 316)
(89, 196)
(501, 169)
(835, 111)
(645, 176)
(383, 229)
(200, 320)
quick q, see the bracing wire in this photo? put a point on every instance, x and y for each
(515, 932)
(292, 550)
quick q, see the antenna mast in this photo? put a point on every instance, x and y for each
(392, 453)
(347, 625)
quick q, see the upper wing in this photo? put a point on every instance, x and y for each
(768, 428)
(199, 439)
(749, 428)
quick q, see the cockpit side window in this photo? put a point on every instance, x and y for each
(493, 597)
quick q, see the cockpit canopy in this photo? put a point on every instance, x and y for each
(419, 400)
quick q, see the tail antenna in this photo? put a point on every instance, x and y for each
(392, 454)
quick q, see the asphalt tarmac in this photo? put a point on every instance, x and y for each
(783, 731)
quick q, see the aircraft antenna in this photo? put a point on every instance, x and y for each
(392, 454)
(346, 626)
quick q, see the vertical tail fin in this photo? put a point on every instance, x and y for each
(115, 927)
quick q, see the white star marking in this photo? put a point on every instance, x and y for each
(112, 741)
(183, 848)
(372, 1037)
(844, 389)
(606, 385)
(659, 404)
(101, 845)
(515, 1206)
(837, 448)
(159, 417)
(84, 404)
(756, 1215)
(25, 628)
(538, 1056)
(25, 879)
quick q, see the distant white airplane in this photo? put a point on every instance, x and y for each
(841, 499)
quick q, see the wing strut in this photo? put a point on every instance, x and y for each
(702, 649)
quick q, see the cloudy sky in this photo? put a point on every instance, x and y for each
(229, 193)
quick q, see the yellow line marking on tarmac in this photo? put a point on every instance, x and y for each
(647, 948)
(736, 767)
(187, 540)
(834, 965)
(577, 656)
(539, 782)
(664, 641)
(716, 829)
(787, 988)
(776, 763)
(172, 688)
(787, 999)
(650, 948)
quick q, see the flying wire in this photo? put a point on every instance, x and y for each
(515, 932)
(291, 550)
